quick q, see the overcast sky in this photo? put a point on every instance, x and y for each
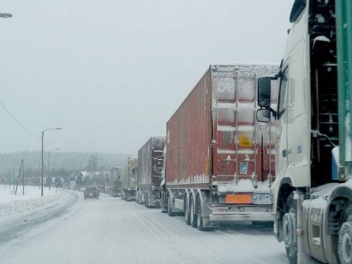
(111, 73)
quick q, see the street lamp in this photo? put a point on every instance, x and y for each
(5, 15)
(57, 128)
(49, 164)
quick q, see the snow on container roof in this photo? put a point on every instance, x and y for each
(260, 69)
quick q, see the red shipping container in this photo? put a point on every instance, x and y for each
(214, 139)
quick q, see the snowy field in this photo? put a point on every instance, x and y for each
(20, 214)
(23, 203)
(62, 227)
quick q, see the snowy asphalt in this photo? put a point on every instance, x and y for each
(110, 230)
(13, 227)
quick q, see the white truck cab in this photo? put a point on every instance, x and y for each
(313, 187)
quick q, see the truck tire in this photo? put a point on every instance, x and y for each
(200, 222)
(345, 243)
(289, 223)
(187, 211)
(193, 213)
(345, 237)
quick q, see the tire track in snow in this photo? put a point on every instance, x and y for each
(184, 237)
(181, 238)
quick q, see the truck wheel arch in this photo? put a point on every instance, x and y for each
(285, 190)
(341, 192)
(340, 200)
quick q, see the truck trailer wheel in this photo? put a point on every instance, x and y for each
(200, 222)
(193, 213)
(187, 211)
(289, 226)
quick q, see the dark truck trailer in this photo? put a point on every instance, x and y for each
(129, 179)
(113, 182)
(150, 163)
(217, 166)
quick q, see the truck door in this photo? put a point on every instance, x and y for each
(224, 125)
(234, 124)
(282, 116)
(296, 117)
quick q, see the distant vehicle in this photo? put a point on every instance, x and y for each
(113, 182)
(129, 179)
(91, 192)
(150, 164)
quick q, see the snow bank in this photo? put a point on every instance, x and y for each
(11, 204)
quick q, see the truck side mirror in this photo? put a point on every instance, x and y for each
(264, 92)
(263, 115)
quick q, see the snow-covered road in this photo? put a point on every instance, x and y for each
(110, 230)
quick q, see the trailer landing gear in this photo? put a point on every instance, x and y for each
(169, 206)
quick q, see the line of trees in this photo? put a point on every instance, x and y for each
(62, 164)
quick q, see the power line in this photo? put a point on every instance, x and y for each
(18, 122)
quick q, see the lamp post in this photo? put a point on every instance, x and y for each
(49, 165)
(5, 15)
(42, 178)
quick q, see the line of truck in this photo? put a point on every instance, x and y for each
(266, 143)
(216, 163)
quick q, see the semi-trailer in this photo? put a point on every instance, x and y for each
(129, 179)
(313, 187)
(113, 181)
(219, 159)
(150, 163)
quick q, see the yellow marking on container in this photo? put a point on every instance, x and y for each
(245, 141)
